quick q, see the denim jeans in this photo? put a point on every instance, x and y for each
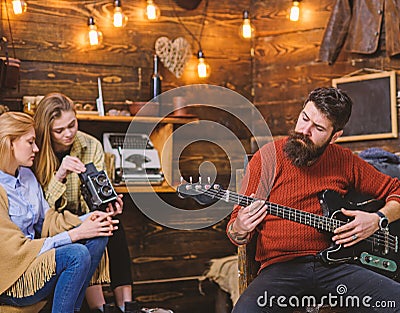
(286, 286)
(75, 266)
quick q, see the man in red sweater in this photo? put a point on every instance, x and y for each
(291, 172)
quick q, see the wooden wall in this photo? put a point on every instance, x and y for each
(287, 67)
(48, 40)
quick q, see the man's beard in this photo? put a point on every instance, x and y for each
(302, 151)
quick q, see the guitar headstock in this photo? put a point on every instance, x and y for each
(202, 193)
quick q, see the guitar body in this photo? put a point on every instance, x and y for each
(368, 252)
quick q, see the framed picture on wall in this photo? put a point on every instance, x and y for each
(374, 113)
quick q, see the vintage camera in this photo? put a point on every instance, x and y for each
(96, 188)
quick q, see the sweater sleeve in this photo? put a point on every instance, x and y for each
(95, 155)
(257, 179)
(98, 159)
(54, 191)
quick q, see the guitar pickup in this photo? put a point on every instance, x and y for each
(378, 262)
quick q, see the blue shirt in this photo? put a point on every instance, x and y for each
(27, 207)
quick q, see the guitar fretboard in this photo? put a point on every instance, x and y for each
(320, 222)
(328, 224)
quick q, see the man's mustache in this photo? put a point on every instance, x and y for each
(299, 136)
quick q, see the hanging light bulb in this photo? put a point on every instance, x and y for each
(246, 30)
(203, 69)
(295, 11)
(95, 36)
(19, 6)
(152, 11)
(120, 19)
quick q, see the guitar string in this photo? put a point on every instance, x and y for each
(318, 221)
(313, 218)
(304, 217)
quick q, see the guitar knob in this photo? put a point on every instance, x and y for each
(385, 264)
(368, 259)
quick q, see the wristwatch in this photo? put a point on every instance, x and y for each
(383, 221)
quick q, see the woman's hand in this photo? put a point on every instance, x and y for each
(117, 207)
(68, 165)
(96, 225)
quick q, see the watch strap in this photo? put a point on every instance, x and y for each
(383, 220)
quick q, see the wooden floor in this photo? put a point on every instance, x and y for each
(181, 297)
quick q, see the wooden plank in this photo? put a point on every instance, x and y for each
(181, 297)
(163, 141)
(272, 17)
(187, 252)
(69, 23)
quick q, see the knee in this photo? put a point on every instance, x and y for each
(79, 254)
(101, 242)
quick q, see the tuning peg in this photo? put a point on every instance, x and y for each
(209, 180)
(200, 180)
(191, 179)
(181, 180)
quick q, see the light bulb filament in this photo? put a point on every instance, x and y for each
(294, 12)
(19, 6)
(93, 37)
(202, 68)
(151, 11)
(246, 29)
(118, 18)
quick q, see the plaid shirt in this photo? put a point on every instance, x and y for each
(87, 149)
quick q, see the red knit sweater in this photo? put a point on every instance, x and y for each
(337, 169)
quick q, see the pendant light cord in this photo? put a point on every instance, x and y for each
(11, 35)
(198, 40)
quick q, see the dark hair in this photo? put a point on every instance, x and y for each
(334, 103)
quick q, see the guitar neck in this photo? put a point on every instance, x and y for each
(319, 222)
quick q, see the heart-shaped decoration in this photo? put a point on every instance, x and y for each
(173, 54)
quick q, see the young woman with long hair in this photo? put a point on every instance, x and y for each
(64, 151)
(45, 254)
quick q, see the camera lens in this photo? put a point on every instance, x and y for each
(106, 191)
(101, 179)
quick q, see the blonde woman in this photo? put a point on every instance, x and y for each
(44, 254)
(64, 151)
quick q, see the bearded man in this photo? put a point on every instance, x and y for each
(291, 173)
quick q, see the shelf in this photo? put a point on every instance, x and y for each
(140, 119)
(164, 187)
(161, 137)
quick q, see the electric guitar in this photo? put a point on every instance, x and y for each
(379, 252)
